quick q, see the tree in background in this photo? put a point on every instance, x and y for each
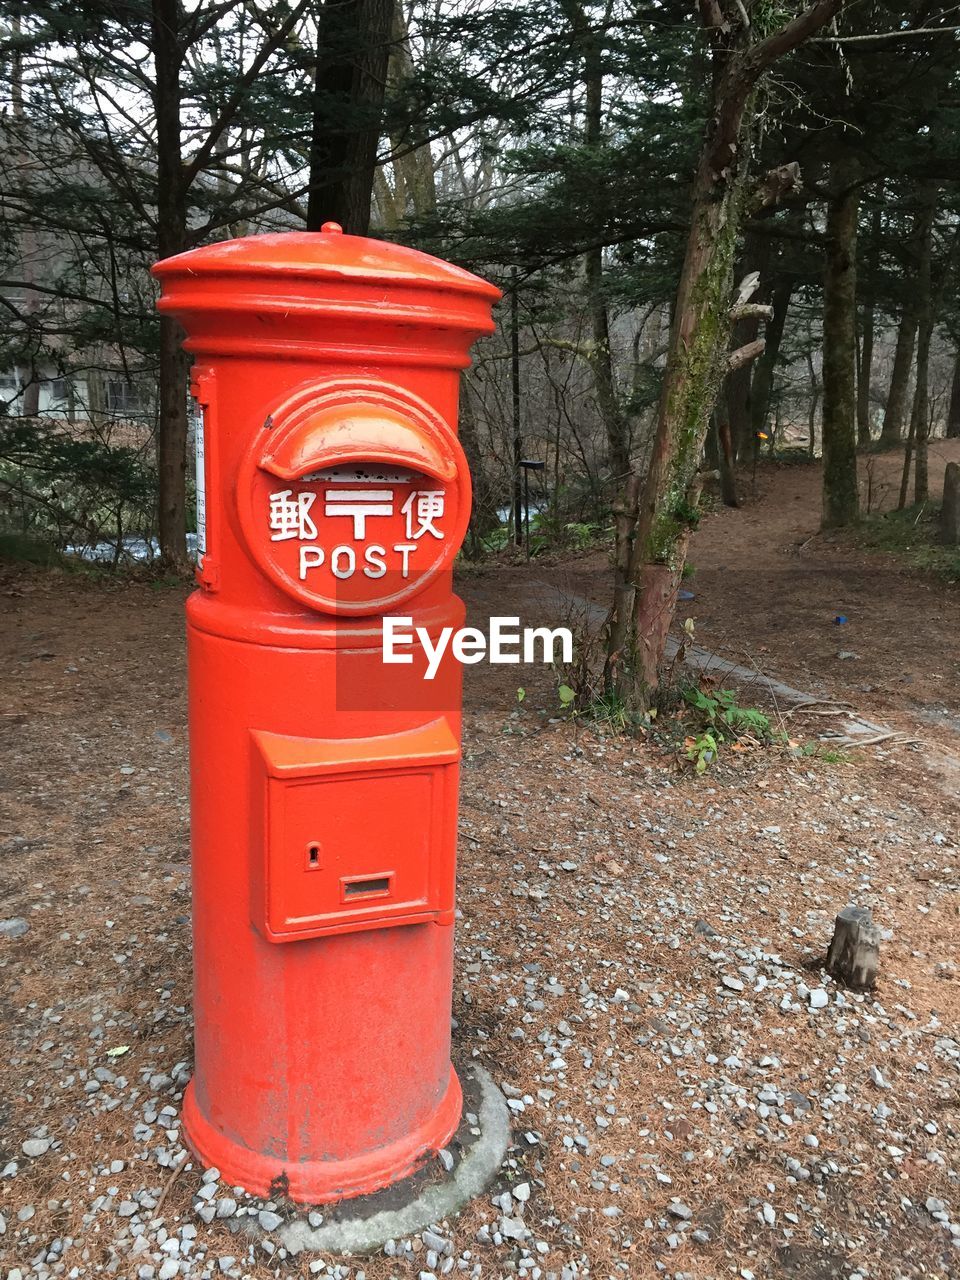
(741, 56)
(551, 146)
(353, 51)
(143, 119)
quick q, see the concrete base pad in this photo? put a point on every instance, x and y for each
(364, 1225)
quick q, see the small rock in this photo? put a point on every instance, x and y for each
(35, 1147)
(819, 998)
(677, 1209)
(514, 1229)
(15, 927)
(269, 1220)
(438, 1244)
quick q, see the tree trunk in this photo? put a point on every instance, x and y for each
(623, 479)
(953, 414)
(738, 390)
(814, 399)
(728, 475)
(353, 49)
(171, 239)
(30, 394)
(864, 366)
(893, 415)
(766, 366)
(865, 354)
(692, 379)
(950, 507)
(516, 420)
(625, 484)
(841, 504)
(699, 334)
(907, 461)
(416, 187)
(896, 407)
(920, 415)
(601, 361)
(483, 513)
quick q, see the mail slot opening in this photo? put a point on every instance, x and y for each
(313, 855)
(379, 885)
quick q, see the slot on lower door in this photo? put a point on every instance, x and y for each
(366, 887)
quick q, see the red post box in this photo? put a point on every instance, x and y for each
(332, 490)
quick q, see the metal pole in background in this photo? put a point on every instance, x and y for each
(526, 507)
(517, 437)
(526, 466)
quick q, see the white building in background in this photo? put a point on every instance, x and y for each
(74, 398)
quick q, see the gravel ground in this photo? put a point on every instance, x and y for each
(638, 966)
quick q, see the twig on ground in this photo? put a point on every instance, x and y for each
(805, 544)
(168, 1185)
(901, 740)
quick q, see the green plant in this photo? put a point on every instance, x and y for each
(702, 750)
(608, 711)
(721, 710)
(721, 719)
(566, 695)
(496, 539)
(59, 486)
(580, 536)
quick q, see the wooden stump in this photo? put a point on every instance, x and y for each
(950, 510)
(854, 953)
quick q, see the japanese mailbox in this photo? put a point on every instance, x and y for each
(331, 490)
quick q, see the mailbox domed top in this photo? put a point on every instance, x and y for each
(326, 255)
(303, 292)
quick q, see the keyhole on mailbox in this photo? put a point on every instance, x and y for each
(313, 855)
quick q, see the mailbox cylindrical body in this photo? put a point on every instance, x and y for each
(332, 492)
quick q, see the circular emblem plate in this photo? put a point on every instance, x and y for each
(354, 496)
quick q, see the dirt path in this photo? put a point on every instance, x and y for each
(638, 955)
(769, 587)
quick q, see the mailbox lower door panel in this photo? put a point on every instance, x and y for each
(322, 1011)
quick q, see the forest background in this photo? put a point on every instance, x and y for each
(721, 232)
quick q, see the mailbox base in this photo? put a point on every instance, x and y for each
(321, 1181)
(364, 1225)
